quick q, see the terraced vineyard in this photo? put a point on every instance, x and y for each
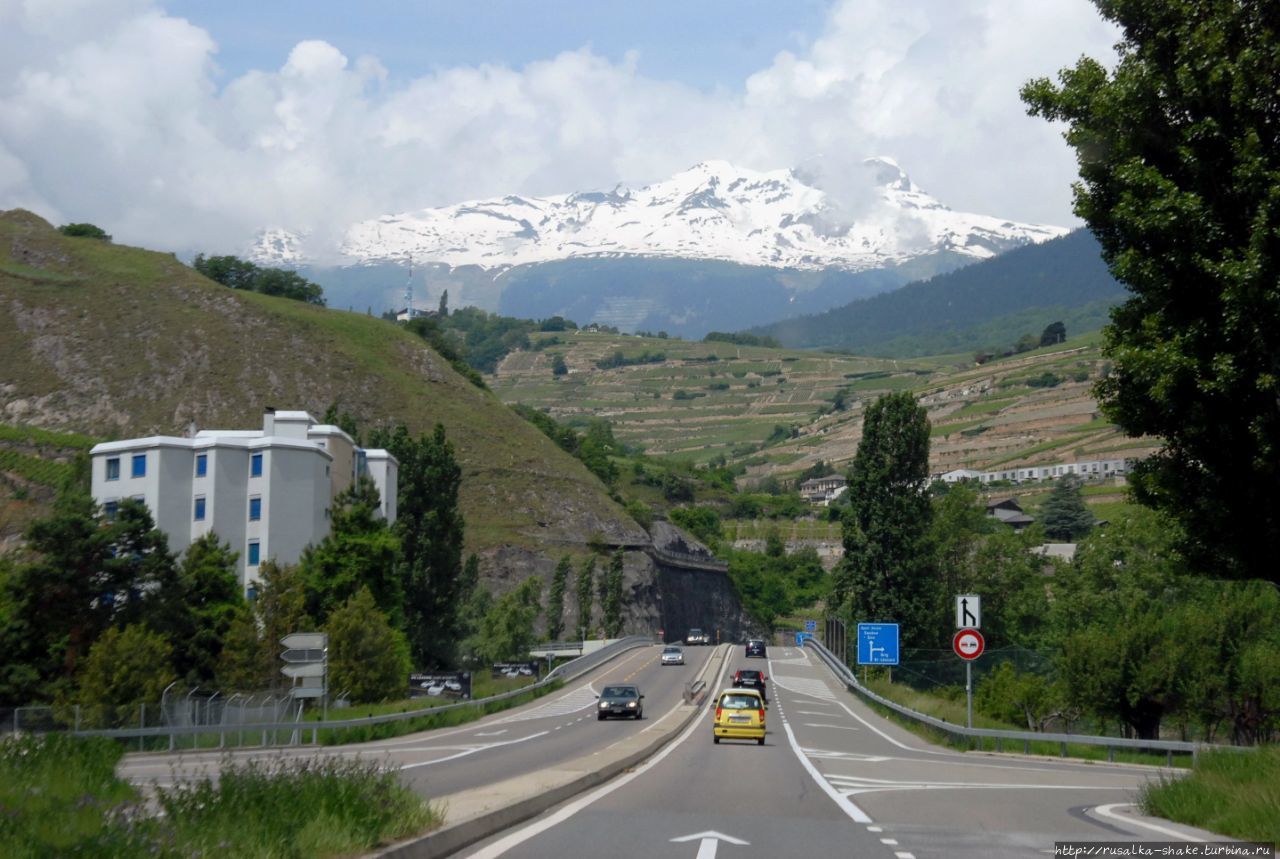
(776, 410)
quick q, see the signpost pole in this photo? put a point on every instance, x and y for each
(968, 690)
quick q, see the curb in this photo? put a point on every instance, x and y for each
(552, 787)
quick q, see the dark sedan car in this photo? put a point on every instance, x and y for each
(755, 647)
(620, 701)
(749, 678)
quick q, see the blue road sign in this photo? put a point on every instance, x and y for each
(810, 626)
(877, 644)
(801, 636)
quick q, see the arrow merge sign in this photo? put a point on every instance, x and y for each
(968, 611)
(306, 663)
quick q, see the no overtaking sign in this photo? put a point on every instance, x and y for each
(968, 644)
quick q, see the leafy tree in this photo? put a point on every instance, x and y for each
(360, 550)
(244, 660)
(88, 574)
(702, 522)
(555, 600)
(241, 274)
(1026, 343)
(367, 655)
(1053, 334)
(443, 309)
(280, 609)
(211, 592)
(509, 625)
(1064, 514)
(582, 590)
(885, 572)
(558, 366)
(1180, 182)
(132, 666)
(430, 527)
(1018, 697)
(87, 231)
(611, 600)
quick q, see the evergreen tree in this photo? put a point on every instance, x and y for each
(555, 600)
(360, 550)
(211, 592)
(611, 604)
(443, 309)
(1180, 182)
(367, 655)
(430, 527)
(582, 590)
(1064, 515)
(885, 574)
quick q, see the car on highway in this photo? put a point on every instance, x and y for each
(672, 655)
(750, 678)
(696, 637)
(755, 647)
(620, 701)
(739, 716)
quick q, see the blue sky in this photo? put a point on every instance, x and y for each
(180, 124)
(706, 44)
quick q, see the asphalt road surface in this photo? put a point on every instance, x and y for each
(437, 763)
(835, 780)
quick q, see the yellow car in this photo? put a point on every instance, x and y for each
(740, 715)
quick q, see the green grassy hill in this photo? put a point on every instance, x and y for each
(108, 341)
(774, 409)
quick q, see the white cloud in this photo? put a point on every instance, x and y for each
(109, 113)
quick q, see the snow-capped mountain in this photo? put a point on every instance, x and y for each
(782, 219)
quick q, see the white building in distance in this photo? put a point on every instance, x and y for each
(266, 492)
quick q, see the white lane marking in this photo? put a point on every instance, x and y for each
(575, 701)
(708, 842)
(518, 837)
(904, 855)
(842, 802)
(490, 733)
(804, 686)
(1106, 811)
(848, 756)
(892, 842)
(875, 829)
(853, 785)
(483, 748)
(841, 727)
(813, 712)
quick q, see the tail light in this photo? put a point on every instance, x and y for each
(762, 717)
(718, 712)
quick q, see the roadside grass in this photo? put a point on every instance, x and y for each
(60, 796)
(954, 711)
(1234, 793)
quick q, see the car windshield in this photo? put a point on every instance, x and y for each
(740, 702)
(672, 650)
(620, 692)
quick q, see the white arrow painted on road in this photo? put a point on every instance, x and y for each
(709, 841)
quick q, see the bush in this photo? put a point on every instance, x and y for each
(84, 231)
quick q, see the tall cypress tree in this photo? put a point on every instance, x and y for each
(582, 590)
(611, 602)
(430, 527)
(555, 600)
(886, 574)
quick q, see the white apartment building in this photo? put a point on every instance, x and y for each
(266, 492)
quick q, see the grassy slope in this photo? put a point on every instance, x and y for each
(982, 416)
(115, 342)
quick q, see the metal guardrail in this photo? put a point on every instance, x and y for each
(687, 561)
(566, 672)
(845, 674)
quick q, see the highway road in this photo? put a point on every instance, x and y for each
(833, 779)
(519, 741)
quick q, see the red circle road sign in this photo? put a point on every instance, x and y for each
(968, 644)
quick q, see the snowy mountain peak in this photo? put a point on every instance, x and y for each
(812, 217)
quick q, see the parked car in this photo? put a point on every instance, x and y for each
(696, 637)
(749, 678)
(739, 716)
(672, 655)
(620, 701)
(755, 647)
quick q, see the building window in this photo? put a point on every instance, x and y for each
(254, 556)
(110, 509)
(113, 468)
(255, 508)
(202, 464)
(139, 465)
(199, 514)
(255, 465)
